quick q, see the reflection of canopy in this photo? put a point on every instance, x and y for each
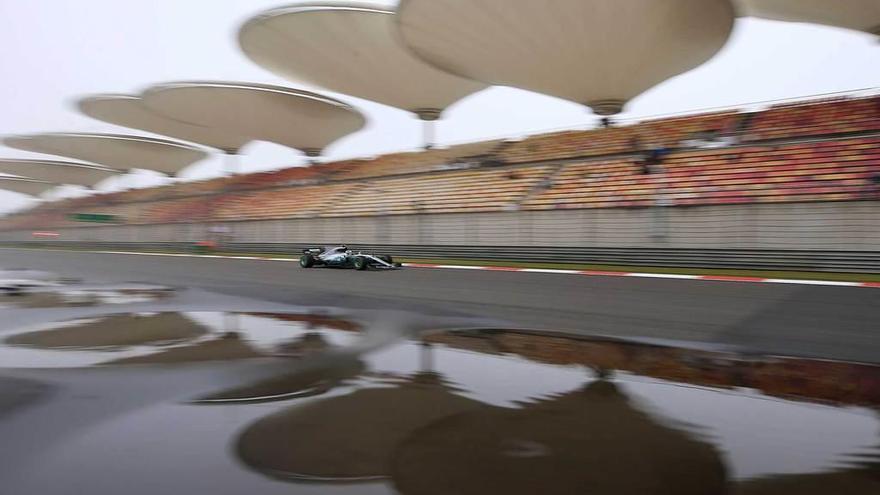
(856, 482)
(114, 331)
(588, 441)
(792, 378)
(24, 186)
(113, 150)
(130, 111)
(598, 53)
(345, 438)
(351, 49)
(860, 474)
(307, 383)
(221, 349)
(56, 171)
(299, 119)
(862, 15)
(313, 320)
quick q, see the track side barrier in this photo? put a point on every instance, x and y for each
(795, 260)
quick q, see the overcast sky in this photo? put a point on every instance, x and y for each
(54, 51)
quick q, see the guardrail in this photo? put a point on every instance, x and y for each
(807, 260)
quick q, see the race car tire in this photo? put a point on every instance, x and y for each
(307, 261)
(360, 263)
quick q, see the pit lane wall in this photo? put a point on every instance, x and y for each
(841, 236)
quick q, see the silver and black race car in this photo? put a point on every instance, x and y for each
(343, 257)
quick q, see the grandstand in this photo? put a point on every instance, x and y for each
(810, 151)
(606, 141)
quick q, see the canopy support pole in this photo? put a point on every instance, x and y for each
(429, 117)
(312, 155)
(426, 358)
(428, 132)
(230, 162)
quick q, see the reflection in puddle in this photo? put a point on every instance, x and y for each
(349, 437)
(497, 418)
(13, 280)
(167, 337)
(457, 412)
(306, 383)
(113, 332)
(226, 347)
(593, 438)
(78, 295)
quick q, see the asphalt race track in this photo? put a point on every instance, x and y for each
(821, 321)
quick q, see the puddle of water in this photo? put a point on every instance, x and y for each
(73, 295)
(26, 275)
(170, 337)
(476, 412)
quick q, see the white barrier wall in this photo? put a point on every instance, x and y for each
(820, 226)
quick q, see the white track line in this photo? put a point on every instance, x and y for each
(594, 273)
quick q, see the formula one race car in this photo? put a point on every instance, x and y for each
(343, 257)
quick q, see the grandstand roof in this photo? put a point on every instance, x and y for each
(113, 150)
(130, 111)
(299, 119)
(56, 171)
(25, 186)
(600, 54)
(862, 15)
(351, 49)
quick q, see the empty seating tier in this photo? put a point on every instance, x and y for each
(615, 140)
(447, 192)
(816, 119)
(810, 171)
(809, 151)
(281, 203)
(416, 162)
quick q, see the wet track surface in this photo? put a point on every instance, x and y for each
(240, 382)
(834, 322)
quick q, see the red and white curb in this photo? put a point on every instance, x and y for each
(713, 278)
(594, 273)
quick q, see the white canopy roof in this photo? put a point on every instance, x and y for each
(113, 150)
(862, 15)
(600, 53)
(350, 48)
(130, 111)
(25, 186)
(299, 119)
(56, 171)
